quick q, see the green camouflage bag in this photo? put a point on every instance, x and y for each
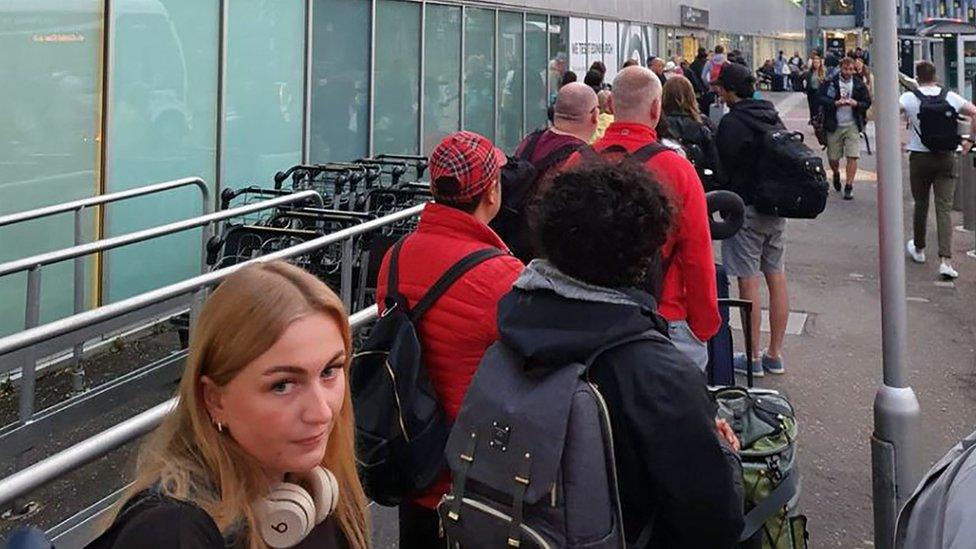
(765, 423)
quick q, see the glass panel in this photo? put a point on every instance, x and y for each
(442, 74)
(162, 126)
(558, 53)
(634, 43)
(594, 39)
(340, 80)
(264, 78)
(479, 71)
(610, 50)
(397, 92)
(510, 80)
(535, 71)
(577, 39)
(50, 100)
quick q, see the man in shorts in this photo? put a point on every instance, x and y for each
(757, 250)
(845, 101)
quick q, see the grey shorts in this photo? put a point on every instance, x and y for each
(758, 247)
(688, 343)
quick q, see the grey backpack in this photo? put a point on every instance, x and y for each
(531, 457)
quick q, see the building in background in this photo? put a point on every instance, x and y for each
(102, 96)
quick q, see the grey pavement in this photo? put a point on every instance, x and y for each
(834, 367)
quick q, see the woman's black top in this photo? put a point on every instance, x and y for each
(154, 521)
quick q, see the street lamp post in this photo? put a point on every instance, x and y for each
(894, 443)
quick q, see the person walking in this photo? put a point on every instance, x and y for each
(932, 160)
(758, 249)
(455, 332)
(812, 79)
(714, 65)
(696, 67)
(689, 296)
(845, 101)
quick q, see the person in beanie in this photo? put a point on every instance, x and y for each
(465, 172)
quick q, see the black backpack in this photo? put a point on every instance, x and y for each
(401, 428)
(937, 122)
(699, 145)
(790, 180)
(520, 177)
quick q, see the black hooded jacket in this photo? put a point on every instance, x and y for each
(738, 145)
(676, 479)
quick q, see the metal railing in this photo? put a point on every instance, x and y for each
(26, 342)
(24, 482)
(79, 207)
(34, 264)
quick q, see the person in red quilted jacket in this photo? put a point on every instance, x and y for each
(465, 172)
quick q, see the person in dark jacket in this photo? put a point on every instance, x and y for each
(845, 101)
(677, 475)
(759, 246)
(698, 65)
(694, 132)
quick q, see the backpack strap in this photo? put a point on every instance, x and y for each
(556, 157)
(641, 155)
(650, 335)
(529, 149)
(451, 276)
(779, 497)
(393, 295)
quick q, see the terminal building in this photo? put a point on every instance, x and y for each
(101, 96)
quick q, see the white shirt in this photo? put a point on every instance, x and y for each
(910, 104)
(845, 115)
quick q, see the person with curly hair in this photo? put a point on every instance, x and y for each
(599, 228)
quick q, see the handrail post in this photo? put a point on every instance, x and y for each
(77, 371)
(345, 273)
(28, 375)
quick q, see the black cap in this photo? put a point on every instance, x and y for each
(736, 78)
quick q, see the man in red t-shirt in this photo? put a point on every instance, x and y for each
(689, 299)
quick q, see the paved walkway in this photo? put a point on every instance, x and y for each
(834, 367)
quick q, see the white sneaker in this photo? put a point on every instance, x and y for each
(917, 256)
(946, 270)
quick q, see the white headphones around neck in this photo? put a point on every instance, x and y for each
(294, 507)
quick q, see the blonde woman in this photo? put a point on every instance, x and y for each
(264, 413)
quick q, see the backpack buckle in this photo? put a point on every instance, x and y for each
(499, 436)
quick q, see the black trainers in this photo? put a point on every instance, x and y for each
(848, 192)
(837, 181)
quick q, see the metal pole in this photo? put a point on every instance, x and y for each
(894, 442)
(345, 274)
(77, 372)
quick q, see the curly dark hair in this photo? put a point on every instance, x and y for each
(602, 222)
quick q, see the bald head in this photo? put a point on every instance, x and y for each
(637, 96)
(576, 110)
(574, 102)
(657, 65)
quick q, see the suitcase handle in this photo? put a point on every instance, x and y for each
(745, 309)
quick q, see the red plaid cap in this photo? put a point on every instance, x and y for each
(469, 158)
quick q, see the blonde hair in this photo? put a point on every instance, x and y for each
(679, 97)
(186, 458)
(821, 72)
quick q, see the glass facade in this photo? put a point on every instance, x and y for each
(396, 111)
(479, 71)
(264, 79)
(510, 80)
(235, 96)
(50, 104)
(162, 125)
(442, 74)
(340, 80)
(536, 59)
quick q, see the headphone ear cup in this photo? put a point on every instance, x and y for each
(285, 516)
(324, 490)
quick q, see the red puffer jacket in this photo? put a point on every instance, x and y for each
(460, 327)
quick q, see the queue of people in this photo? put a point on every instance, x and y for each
(614, 249)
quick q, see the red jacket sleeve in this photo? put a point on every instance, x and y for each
(695, 259)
